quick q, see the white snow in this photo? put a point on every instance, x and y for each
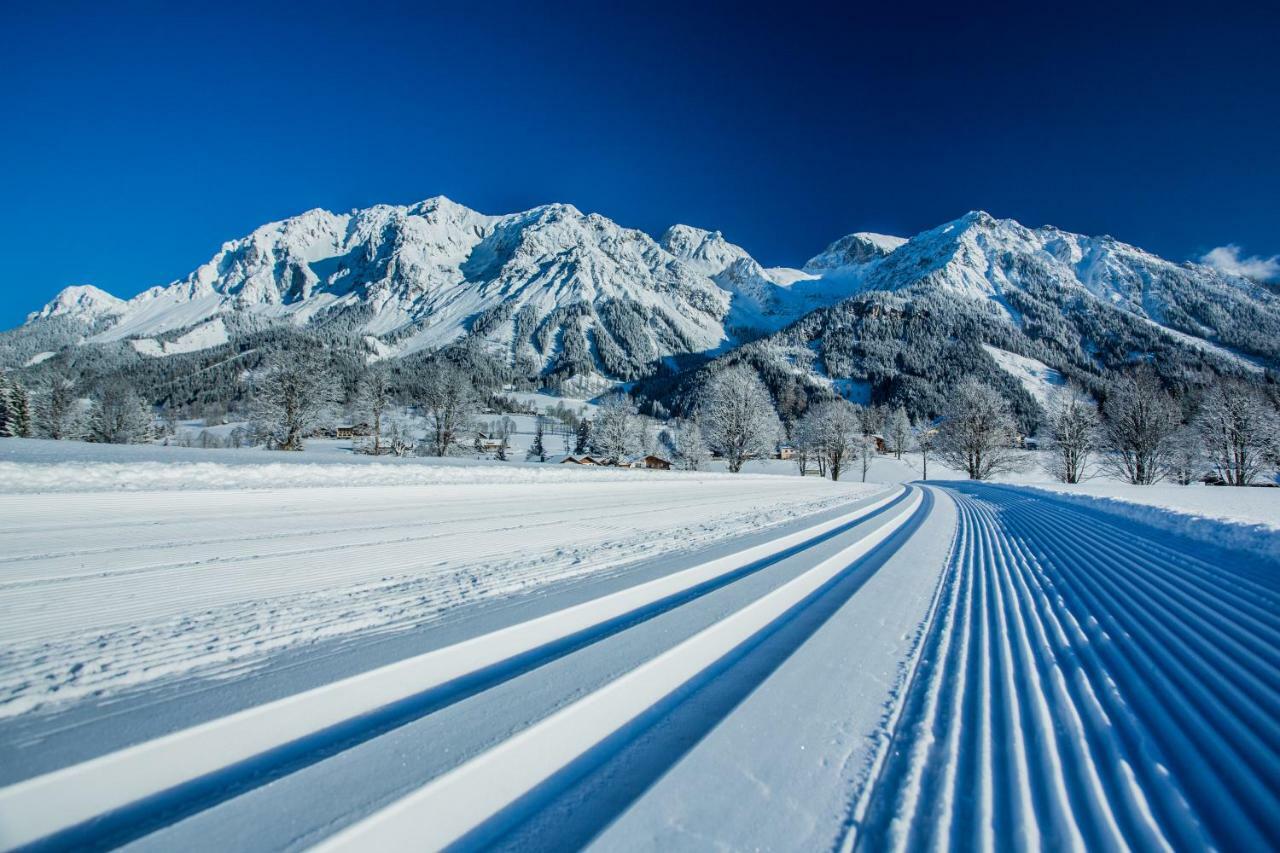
(38, 358)
(445, 810)
(38, 807)
(1245, 518)
(208, 576)
(204, 336)
(1036, 377)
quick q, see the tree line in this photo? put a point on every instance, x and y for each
(1139, 429)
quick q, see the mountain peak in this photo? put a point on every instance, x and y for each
(83, 300)
(858, 248)
(705, 251)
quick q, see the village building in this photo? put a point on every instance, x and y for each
(650, 461)
(352, 430)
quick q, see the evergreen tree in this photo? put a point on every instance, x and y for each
(19, 412)
(538, 450)
(583, 440)
(6, 414)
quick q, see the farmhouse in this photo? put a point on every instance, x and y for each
(575, 459)
(655, 463)
(352, 430)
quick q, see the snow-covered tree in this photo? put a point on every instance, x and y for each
(1140, 422)
(6, 413)
(737, 416)
(449, 399)
(689, 446)
(978, 433)
(613, 429)
(1239, 427)
(58, 412)
(538, 450)
(834, 430)
(924, 436)
(375, 397)
(873, 420)
(1186, 458)
(119, 416)
(20, 407)
(291, 397)
(808, 440)
(1071, 433)
(897, 429)
(582, 436)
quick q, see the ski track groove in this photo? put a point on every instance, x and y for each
(1085, 687)
(897, 510)
(153, 624)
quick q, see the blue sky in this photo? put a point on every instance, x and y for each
(137, 138)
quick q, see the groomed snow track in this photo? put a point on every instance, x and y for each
(124, 796)
(1084, 686)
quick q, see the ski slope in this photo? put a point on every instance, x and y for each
(1087, 687)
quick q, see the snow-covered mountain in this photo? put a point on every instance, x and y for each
(1021, 306)
(555, 295)
(550, 289)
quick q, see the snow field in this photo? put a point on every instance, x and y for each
(448, 809)
(158, 585)
(1245, 519)
(38, 807)
(1086, 687)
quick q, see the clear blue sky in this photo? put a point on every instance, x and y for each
(137, 138)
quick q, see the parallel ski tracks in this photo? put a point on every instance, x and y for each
(85, 809)
(1085, 687)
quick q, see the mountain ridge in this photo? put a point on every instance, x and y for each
(553, 295)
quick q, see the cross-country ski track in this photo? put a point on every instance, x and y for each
(960, 666)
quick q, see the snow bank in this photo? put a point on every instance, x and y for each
(1241, 519)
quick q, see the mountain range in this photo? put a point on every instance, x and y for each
(557, 297)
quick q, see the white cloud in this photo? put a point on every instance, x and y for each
(1227, 259)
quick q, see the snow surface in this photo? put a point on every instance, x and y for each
(38, 358)
(1036, 377)
(39, 806)
(1086, 685)
(209, 576)
(206, 335)
(1243, 518)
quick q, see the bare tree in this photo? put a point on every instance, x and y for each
(58, 413)
(978, 432)
(805, 442)
(737, 416)
(690, 447)
(613, 429)
(834, 430)
(448, 399)
(1239, 428)
(119, 416)
(897, 429)
(1138, 430)
(1071, 432)
(1186, 458)
(291, 398)
(375, 396)
(925, 438)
